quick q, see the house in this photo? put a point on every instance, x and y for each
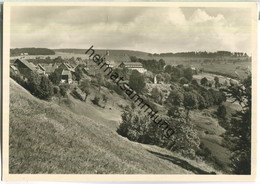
(40, 69)
(133, 66)
(24, 54)
(25, 68)
(66, 71)
(50, 68)
(66, 66)
(66, 77)
(91, 69)
(185, 85)
(194, 70)
(110, 63)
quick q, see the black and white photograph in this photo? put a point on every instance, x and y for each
(130, 89)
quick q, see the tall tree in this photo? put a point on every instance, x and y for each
(45, 88)
(188, 73)
(84, 86)
(168, 69)
(217, 84)
(137, 81)
(78, 73)
(190, 101)
(175, 98)
(156, 95)
(100, 80)
(238, 135)
(55, 77)
(204, 81)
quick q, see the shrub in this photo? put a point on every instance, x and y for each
(141, 128)
(40, 86)
(175, 98)
(96, 100)
(137, 128)
(174, 112)
(76, 94)
(19, 79)
(133, 106)
(221, 112)
(204, 81)
(63, 89)
(55, 77)
(56, 90)
(183, 80)
(105, 98)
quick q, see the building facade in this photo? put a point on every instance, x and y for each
(133, 66)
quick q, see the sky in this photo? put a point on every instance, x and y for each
(148, 29)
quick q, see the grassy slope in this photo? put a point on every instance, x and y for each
(210, 134)
(110, 115)
(47, 138)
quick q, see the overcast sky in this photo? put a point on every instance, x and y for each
(158, 29)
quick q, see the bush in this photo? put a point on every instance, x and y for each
(133, 106)
(105, 98)
(19, 79)
(64, 89)
(96, 100)
(203, 151)
(56, 90)
(55, 77)
(76, 94)
(183, 80)
(141, 128)
(40, 86)
(174, 112)
(138, 128)
(175, 98)
(221, 112)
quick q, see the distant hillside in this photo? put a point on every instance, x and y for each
(103, 52)
(48, 138)
(204, 54)
(31, 51)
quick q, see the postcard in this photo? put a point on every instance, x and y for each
(129, 91)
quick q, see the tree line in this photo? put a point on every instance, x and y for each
(32, 51)
(202, 54)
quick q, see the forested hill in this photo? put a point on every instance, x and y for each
(31, 51)
(202, 54)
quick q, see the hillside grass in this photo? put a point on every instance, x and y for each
(48, 138)
(210, 134)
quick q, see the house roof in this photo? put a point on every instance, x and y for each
(69, 67)
(14, 68)
(41, 67)
(29, 65)
(50, 68)
(65, 72)
(132, 64)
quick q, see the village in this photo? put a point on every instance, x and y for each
(67, 67)
(179, 92)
